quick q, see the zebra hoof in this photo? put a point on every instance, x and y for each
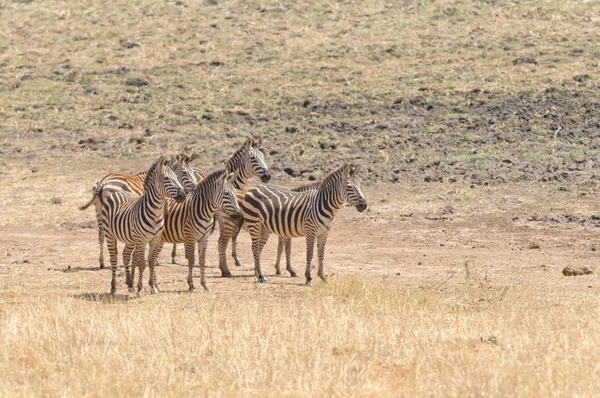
(113, 292)
(309, 282)
(174, 262)
(278, 273)
(262, 279)
(154, 290)
(131, 290)
(323, 278)
(238, 263)
(207, 289)
(293, 274)
(101, 266)
(140, 294)
(226, 274)
(192, 289)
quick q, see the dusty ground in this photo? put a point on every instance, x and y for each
(478, 126)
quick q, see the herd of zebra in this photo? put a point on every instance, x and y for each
(174, 202)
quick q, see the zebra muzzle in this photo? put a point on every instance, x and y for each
(361, 207)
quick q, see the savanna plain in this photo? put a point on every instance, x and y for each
(478, 127)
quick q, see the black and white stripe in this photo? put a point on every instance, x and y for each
(192, 221)
(135, 185)
(354, 199)
(246, 162)
(138, 220)
(269, 209)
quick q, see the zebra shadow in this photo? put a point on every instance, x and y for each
(77, 269)
(222, 278)
(102, 297)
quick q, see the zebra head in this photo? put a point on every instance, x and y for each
(251, 162)
(184, 170)
(354, 194)
(226, 195)
(170, 183)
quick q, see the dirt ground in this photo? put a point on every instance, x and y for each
(423, 238)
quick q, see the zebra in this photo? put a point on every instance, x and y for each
(286, 243)
(138, 220)
(193, 221)
(247, 161)
(135, 185)
(269, 209)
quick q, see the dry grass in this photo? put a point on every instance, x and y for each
(354, 337)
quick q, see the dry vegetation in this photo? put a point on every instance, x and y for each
(478, 124)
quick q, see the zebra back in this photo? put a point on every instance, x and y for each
(196, 214)
(139, 219)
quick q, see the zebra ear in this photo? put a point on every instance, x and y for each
(347, 169)
(193, 157)
(248, 143)
(354, 169)
(257, 142)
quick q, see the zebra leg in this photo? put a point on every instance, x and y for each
(126, 259)
(101, 242)
(155, 249)
(189, 255)
(174, 254)
(236, 232)
(202, 260)
(224, 236)
(310, 246)
(139, 258)
(321, 240)
(112, 250)
(280, 244)
(256, 233)
(100, 234)
(288, 257)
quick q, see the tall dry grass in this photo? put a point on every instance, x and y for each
(353, 337)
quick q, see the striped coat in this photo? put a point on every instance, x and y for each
(269, 209)
(192, 221)
(135, 185)
(138, 220)
(246, 162)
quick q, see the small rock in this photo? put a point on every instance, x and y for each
(568, 271)
(136, 82)
(525, 60)
(534, 245)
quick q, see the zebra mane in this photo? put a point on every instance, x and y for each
(152, 171)
(209, 180)
(334, 175)
(233, 159)
(307, 186)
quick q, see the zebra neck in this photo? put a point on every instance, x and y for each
(235, 164)
(329, 202)
(204, 203)
(153, 203)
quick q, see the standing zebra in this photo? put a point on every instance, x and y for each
(247, 161)
(134, 185)
(193, 220)
(269, 209)
(286, 243)
(138, 220)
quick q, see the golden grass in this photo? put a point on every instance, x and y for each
(354, 337)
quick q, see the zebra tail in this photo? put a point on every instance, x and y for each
(95, 192)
